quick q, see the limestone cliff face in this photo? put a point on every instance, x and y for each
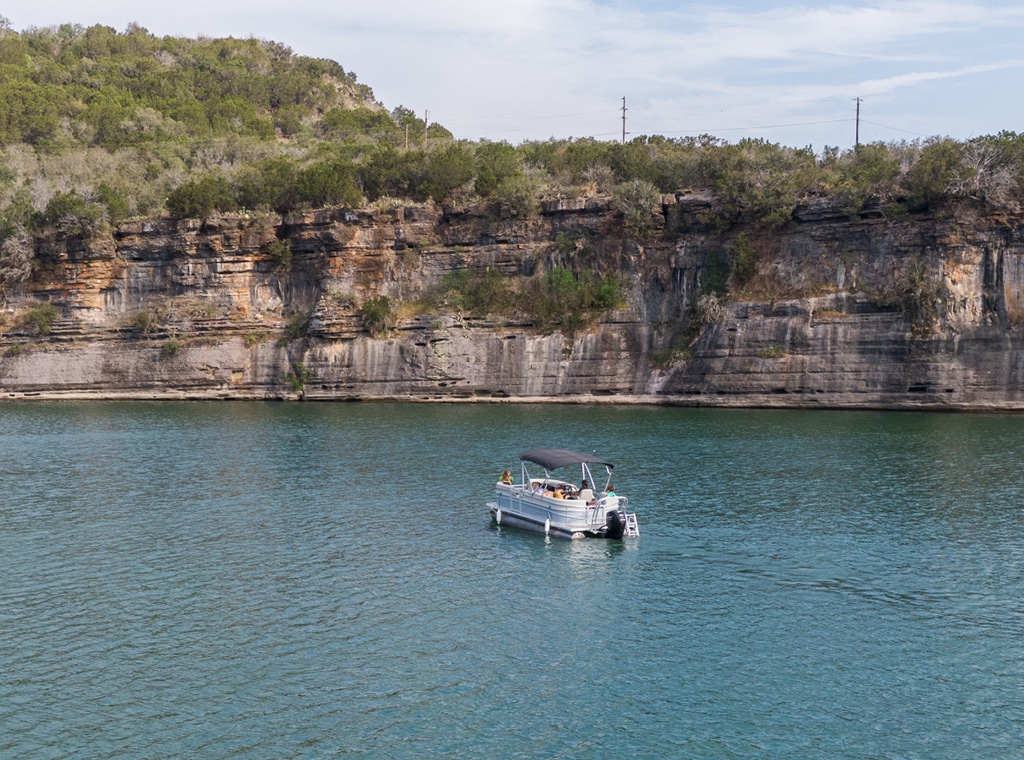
(920, 311)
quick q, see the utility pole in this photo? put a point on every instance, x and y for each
(856, 134)
(623, 119)
(426, 122)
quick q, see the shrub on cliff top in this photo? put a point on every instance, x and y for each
(867, 170)
(496, 163)
(328, 183)
(636, 200)
(935, 169)
(198, 199)
(72, 214)
(446, 171)
(518, 195)
(763, 181)
(270, 184)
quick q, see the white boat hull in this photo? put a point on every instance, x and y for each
(562, 518)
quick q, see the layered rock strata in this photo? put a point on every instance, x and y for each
(917, 311)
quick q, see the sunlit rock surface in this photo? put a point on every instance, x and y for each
(911, 310)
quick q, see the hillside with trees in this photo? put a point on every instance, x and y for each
(97, 126)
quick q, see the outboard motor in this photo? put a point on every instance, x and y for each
(615, 524)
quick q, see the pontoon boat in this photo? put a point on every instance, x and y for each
(558, 507)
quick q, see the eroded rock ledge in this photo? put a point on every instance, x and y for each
(923, 311)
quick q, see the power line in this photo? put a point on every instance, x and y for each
(894, 129)
(760, 126)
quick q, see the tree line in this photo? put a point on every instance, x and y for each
(98, 125)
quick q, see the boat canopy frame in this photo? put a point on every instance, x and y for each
(553, 459)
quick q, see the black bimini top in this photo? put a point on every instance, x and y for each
(552, 459)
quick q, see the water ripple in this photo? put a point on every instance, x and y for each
(250, 580)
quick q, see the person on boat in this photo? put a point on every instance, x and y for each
(611, 491)
(538, 488)
(586, 493)
(506, 478)
(559, 493)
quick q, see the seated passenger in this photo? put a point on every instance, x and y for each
(506, 478)
(538, 488)
(559, 493)
(586, 493)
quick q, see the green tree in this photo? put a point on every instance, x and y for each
(362, 122)
(114, 200)
(496, 163)
(328, 183)
(931, 175)
(74, 215)
(866, 171)
(446, 170)
(272, 183)
(200, 198)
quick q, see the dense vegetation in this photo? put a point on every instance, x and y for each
(98, 125)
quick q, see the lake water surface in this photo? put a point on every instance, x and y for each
(250, 580)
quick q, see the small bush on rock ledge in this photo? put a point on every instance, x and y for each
(41, 317)
(377, 314)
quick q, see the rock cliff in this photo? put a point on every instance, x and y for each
(897, 310)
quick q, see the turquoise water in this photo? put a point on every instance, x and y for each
(247, 580)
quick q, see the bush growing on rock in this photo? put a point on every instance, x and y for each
(298, 376)
(497, 164)
(447, 170)
(328, 183)
(41, 317)
(198, 199)
(377, 314)
(567, 299)
(473, 293)
(637, 201)
(744, 260)
(72, 214)
(517, 195)
(16, 254)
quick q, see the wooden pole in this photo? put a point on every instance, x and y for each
(623, 119)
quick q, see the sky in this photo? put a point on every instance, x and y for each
(518, 70)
